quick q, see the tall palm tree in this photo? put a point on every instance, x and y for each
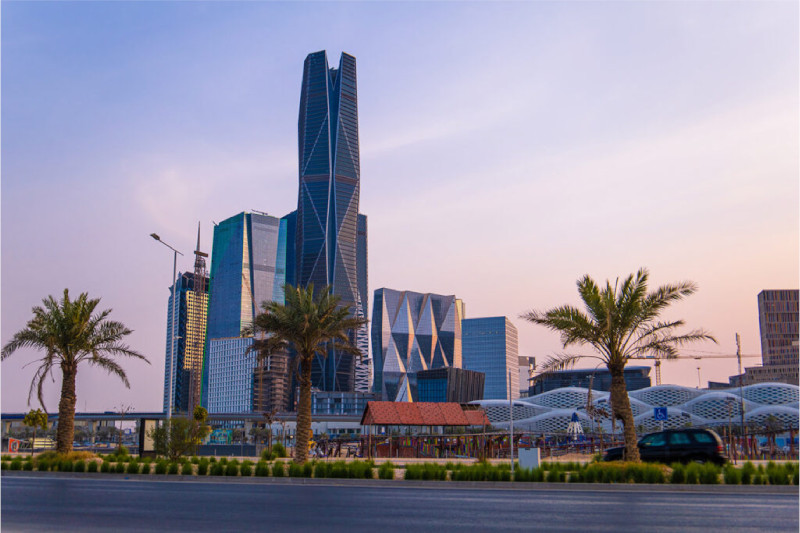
(620, 322)
(69, 332)
(311, 327)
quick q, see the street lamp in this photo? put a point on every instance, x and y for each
(174, 319)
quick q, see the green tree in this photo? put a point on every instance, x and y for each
(311, 326)
(69, 332)
(35, 419)
(619, 323)
(179, 436)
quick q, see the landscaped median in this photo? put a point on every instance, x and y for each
(595, 472)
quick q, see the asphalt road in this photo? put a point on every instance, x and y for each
(69, 504)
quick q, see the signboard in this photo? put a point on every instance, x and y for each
(660, 414)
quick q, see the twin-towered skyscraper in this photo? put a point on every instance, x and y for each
(323, 242)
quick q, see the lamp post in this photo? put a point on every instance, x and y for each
(174, 320)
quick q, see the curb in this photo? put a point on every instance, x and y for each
(387, 483)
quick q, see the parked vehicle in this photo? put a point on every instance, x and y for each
(677, 445)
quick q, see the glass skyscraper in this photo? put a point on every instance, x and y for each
(411, 332)
(490, 346)
(327, 251)
(248, 268)
(189, 341)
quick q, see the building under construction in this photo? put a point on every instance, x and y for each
(271, 384)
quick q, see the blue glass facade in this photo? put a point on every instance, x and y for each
(327, 207)
(490, 346)
(248, 268)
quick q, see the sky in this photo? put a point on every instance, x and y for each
(507, 149)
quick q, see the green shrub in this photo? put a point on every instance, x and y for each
(187, 469)
(246, 469)
(386, 471)
(173, 469)
(308, 469)
(295, 470)
(693, 473)
(161, 467)
(709, 474)
(278, 469)
(232, 469)
(119, 468)
(262, 469)
(92, 466)
(279, 450)
(218, 469)
(213, 460)
(427, 471)
(223, 460)
(202, 467)
(363, 470)
(553, 476)
(6, 457)
(132, 467)
(65, 466)
(16, 464)
(28, 465)
(778, 474)
(321, 470)
(654, 474)
(758, 479)
(267, 455)
(748, 471)
(732, 475)
(338, 469)
(195, 460)
(3, 465)
(42, 465)
(105, 467)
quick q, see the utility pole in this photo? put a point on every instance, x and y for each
(741, 393)
(511, 430)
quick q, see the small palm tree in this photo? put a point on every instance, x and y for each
(69, 332)
(620, 322)
(311, 327)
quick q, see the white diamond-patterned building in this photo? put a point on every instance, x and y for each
(411, 332)
(551, 412)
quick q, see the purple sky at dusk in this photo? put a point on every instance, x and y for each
(507, 149)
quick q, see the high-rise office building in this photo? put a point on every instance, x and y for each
(327, 249)
(779, 324)
(412, 331)
(248, 268)
(363, 367)
(191, 311)
(490, 346)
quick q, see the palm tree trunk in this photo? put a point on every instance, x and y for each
(303, 412)
(66, 412)
(621, 405)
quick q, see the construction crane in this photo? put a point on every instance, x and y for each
(658, 359)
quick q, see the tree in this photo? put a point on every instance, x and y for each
(180, 435)
(619, 323)
(311, 326)
(70, 333)
(35, 419)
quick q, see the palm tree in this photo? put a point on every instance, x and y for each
(311, 327)
(69, 334)
(620, 322)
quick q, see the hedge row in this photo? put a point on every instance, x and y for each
(598, 472)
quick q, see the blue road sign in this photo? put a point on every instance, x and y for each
(660, 413)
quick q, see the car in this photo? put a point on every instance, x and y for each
(677, 445)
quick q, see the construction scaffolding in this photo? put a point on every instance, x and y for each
(271, 384)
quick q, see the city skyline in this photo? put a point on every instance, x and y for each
(540, 141)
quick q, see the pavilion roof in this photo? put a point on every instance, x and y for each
(421, 414)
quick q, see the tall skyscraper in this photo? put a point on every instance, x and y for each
(327, 251)
(191, 311)
(411, 332)
(248, 268)
(490, 346)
